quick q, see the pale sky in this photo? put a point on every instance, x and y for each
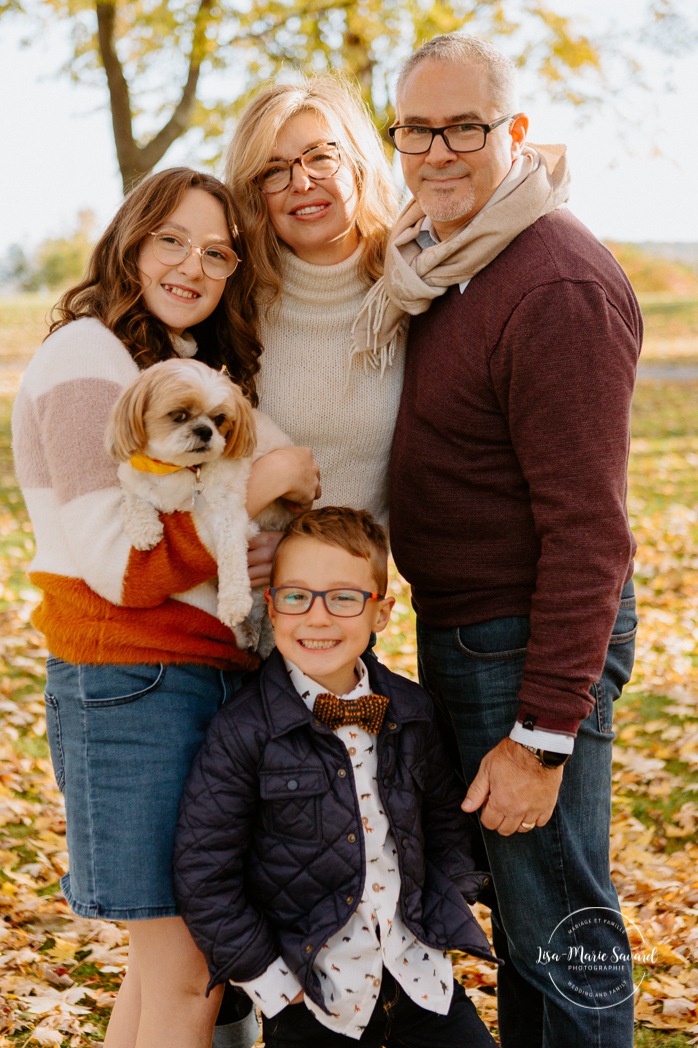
(632, 179)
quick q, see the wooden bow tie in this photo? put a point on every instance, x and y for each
(367, 711)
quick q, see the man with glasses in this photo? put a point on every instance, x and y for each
(508, 518)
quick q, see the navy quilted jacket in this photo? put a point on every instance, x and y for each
(269, 854)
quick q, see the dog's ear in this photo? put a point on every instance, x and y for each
(241, 440)
(125, 434)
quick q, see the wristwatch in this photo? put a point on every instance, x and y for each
(548, 758)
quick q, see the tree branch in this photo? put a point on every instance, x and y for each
(137, 161)
(180, 120)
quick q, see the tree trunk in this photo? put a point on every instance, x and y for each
(136, 162)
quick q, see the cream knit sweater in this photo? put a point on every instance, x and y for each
(343, 409)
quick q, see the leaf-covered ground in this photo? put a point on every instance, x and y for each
(58, 974)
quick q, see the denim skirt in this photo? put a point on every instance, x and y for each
(122, 739)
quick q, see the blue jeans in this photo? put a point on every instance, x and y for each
(122, 739)
(396, 1022)
(556, 907)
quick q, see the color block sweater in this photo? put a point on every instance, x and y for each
(103, 601)
(341, 408)
(508, 479)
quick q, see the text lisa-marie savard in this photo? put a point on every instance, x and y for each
(582, 956)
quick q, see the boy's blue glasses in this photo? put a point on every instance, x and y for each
(296, 600)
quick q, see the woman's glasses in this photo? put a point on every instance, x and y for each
(321, 161)
(218, 261)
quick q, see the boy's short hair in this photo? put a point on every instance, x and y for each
(353, 530)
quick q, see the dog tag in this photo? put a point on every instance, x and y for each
(198, 500)
(197, 497)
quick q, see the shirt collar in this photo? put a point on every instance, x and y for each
(427, 235)
(309, 689)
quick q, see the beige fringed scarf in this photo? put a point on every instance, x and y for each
(537, 184)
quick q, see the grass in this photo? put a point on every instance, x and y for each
(23, 322)
(671, 331)
(670, 317)
(645, 1038)
(656, 810)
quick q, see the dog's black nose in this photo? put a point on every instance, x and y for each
(203, 433)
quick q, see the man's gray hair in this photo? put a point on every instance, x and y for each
(461, 49)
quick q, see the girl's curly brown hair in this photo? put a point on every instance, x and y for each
(112, 289)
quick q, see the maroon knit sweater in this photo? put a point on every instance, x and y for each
(509, 463)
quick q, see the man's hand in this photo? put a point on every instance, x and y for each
(513, 790)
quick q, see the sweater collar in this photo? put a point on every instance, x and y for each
(328, 284)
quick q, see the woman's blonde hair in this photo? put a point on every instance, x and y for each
(336, 101)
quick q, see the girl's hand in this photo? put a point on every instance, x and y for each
(290, 473)
(260, 553)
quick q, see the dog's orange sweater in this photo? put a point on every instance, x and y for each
(104, 601)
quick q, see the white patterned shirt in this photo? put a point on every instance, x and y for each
(351, 962)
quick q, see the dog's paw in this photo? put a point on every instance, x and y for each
(232, 611)
(141, 522)
(148, 538)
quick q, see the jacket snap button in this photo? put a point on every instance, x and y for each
(351, 837)
(350, 899)
(342, 773)
(392, 726)
(292, 784)
(376, 886)
(309, 948)
(485, 881)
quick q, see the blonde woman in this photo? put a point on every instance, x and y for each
(317, 202)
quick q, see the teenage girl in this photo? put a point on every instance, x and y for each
(139, 662)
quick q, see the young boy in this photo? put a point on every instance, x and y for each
(322, 860)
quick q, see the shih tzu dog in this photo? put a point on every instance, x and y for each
(184, 436)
